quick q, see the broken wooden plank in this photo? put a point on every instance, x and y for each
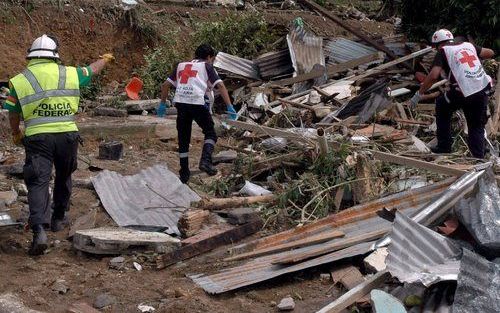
(401, 160)
(330, 70)
(355, 293)
(316, 239)
(330, 247)
(273, 132)
(348, 276)
(234, 202)
(116, 240)
(209, 241)
(316, 7)
(192, 221)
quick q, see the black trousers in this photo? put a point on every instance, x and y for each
(186, 113)
(42, 152)
(474, 108)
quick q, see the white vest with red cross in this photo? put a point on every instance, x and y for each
(191, 82)
(466, 68)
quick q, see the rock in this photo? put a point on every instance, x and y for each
(145, 308)
(375, 262)
(21, 189)
(179, 293)
(117, 263)
(137, 266)
(325, 277)
(103, 300)
(286, 304)
(382, 302)
(60, 286)
(8, 197)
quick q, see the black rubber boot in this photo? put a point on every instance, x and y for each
(206, 160)
(56, 225)
(184, 172)
(39, 244)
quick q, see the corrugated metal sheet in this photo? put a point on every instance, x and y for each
(418, 254)
(306, 50)
(478, 288)
(154, 197)
(274, 64)
(236, 65)
(340, 50)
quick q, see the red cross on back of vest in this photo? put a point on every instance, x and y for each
(187, 73)
(467, 58)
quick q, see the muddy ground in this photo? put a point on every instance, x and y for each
(168, 290)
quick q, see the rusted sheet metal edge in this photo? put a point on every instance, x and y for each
(410, 198)
(261, 270)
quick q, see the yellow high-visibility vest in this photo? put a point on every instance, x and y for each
(49, 95)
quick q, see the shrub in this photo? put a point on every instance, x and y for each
(245, 35)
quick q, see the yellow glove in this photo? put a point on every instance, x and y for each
(17, 139)
(108, 57)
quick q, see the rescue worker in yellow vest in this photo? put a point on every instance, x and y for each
(46, 96)
(459, 62)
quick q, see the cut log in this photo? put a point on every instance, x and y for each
(234, 202)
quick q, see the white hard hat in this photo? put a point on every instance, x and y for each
(442, 35)
(44, 47)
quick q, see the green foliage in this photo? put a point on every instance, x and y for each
(246, 35)
(477, 18)
(160, 62)
(91, 91)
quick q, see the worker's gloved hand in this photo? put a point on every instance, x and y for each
(162, 108)
(108, 57)
(415, 99)
(232, 112)
(17, 138)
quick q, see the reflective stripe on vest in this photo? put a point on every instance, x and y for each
(49, 96)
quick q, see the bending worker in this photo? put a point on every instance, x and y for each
(46, 95)
(469, 90)
(193, 80)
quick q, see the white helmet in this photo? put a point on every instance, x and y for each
(44, 47)
(442, 35)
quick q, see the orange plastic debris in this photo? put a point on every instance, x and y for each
(133, 88)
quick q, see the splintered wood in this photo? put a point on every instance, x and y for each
(192, 221)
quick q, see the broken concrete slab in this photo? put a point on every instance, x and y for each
(286, 304)
(375, 262)
(10, 303)
(382, 302)
(114, 240)
(107, 111)
(86, 221)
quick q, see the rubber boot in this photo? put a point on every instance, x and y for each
(184, 172)
(39, 244)
(56, 225)
(206, 160)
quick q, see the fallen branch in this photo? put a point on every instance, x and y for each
(234, 202)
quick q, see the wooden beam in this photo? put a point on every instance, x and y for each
(330, 70)
(314, 6)
(216, 239)
(401, 160)
(234, 202)
(355, 293)
(320, 238)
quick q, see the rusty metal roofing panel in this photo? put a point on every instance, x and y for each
(236, 65)
(274, 64)
(478, 285)
(153, 197)
(419, 254)
(262, 269)
(340, 50)
(306, 50)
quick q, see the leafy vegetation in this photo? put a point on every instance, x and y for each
(246, 35)
(476, 18)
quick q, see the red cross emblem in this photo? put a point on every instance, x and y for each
(448, 35)
(187, 73)
(435, 37)
(467, 58)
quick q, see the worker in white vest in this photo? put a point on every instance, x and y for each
(459, 62)
(193, 82)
